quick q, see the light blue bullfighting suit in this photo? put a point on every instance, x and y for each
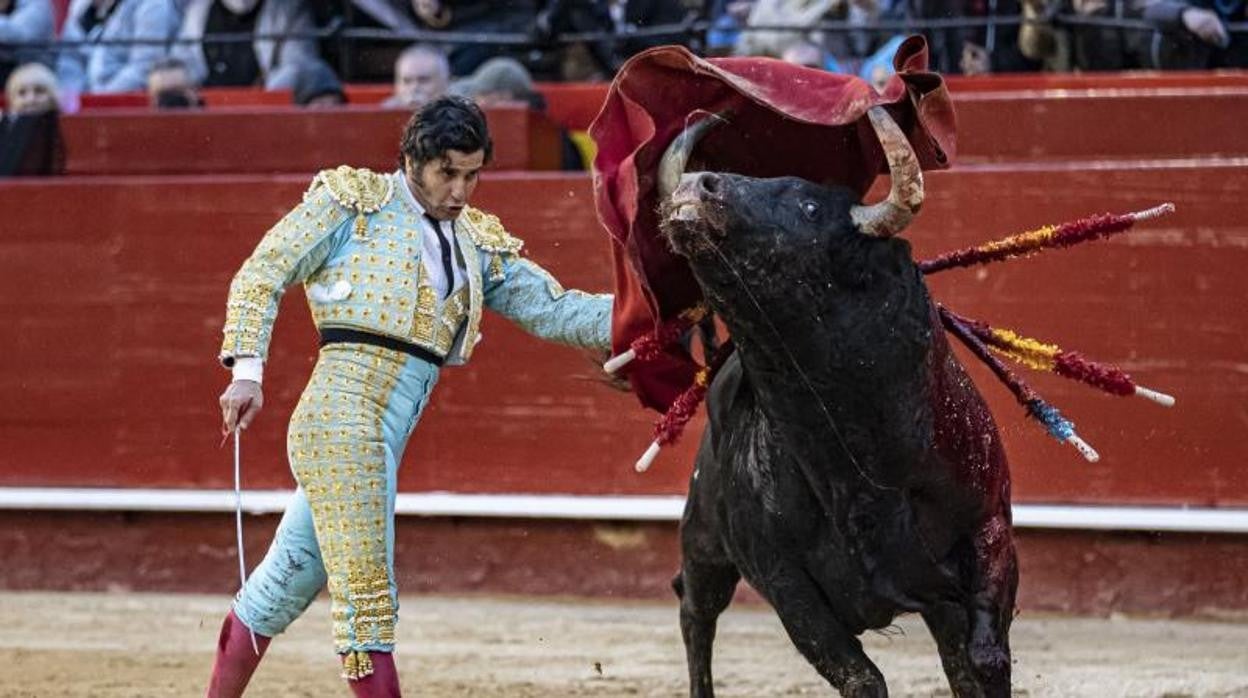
(356, 244)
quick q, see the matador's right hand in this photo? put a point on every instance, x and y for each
(240, 403)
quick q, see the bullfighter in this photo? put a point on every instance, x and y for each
(397, 268)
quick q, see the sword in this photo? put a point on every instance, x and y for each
(238, 525)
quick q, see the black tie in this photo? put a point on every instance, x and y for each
(446, 254)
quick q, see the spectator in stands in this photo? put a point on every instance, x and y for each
(799, 14)
(170, 86)
(628, 16)
(810, 55)
(114, 67)
(372, 60)
(317, 87)
(468, 16)
(501, 81)
(421, 75)
(30, 135)
(30, 90)
(618, 19)
(879, 66)
(727, 17)
(582, 61)
(994, 49)
(1194, 33)
(271, 63)
(359, 59)
(24, 21)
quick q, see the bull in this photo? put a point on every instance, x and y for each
(849, 471)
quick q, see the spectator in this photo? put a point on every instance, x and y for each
(372, 61)
(169, 86)
(24, 21)
(113, 67)
(1105, 48)
(268, 62)
(1040, 40)
(810, 55)
(1194, 33)
(878, 67)
(30, 90)
(317, 87)
(995, 49)
(513, 16)
(727, 17)
(499, 80)
(366, 60)
(619, 18)
(506, 81)
(628, 16)
(421, 75)
(30, 135)
(593, 60)
(799, 14)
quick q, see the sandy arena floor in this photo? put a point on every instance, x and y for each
(91, 645)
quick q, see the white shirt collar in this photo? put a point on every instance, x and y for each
(407, 194)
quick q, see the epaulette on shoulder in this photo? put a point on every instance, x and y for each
(488, 233)
(356, 188)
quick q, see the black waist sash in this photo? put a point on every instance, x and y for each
(338, 335)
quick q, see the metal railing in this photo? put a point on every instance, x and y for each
(692, 31)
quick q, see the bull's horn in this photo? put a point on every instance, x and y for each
(890, 216)
(672, 166)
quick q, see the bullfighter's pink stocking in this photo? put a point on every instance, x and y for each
(236, 659)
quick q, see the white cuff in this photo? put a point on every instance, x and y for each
(248, 368)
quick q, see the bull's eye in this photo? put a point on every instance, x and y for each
(811, 209)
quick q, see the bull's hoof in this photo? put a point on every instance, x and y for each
(870, 687)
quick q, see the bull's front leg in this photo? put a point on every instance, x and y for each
(974, 636)
(992, 611)
(821, 637)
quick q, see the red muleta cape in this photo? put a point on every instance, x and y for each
(786, 120)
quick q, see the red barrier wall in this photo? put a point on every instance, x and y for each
(270, 140)
(1093, 124)
(114, 289)
(1064, 571)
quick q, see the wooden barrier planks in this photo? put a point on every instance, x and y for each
(1009, 126)
(1101, 124)
(268, 140)
(115, 291)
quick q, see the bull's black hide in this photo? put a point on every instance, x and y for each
(849, 471)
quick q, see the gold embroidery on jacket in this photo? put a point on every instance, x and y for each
(360, 190)
(260, 282)
(488, 233)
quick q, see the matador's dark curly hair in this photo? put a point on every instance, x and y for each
(447, 123)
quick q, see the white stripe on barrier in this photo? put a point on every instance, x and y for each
(607, 508)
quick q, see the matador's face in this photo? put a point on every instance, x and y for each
(444, 185)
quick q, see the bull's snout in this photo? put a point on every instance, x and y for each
(708, 183)
(694, 189)
(698, 186)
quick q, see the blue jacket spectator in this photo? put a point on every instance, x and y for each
(272, 63)
(113, 67)
(1195, 36)
(24, 21)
